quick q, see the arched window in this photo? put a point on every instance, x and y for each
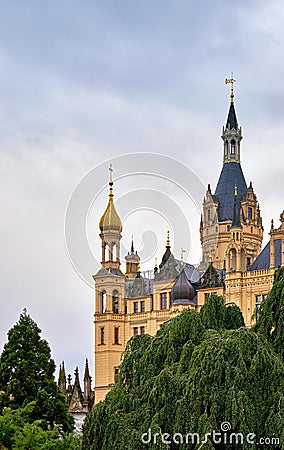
(115, 301)
(107, 258)
(113, 251)
(233, 146)
(233, 259)
(103, 301)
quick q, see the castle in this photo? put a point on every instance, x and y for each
(127, 303)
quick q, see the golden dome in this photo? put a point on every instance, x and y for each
(110, 220)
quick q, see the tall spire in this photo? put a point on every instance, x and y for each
(232, 133)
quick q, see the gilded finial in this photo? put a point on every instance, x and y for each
(231, 81)
(168, 239)
(110, 181)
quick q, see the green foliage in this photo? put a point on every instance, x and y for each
(271, 314)
(16, 433)
(186, 379)
(216, 315)
(27, 375)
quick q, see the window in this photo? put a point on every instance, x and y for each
(116, 335)
(163, 298)
(102, 336)
(248, 261)
(115, 302)
(135, 331)
(258, 298)
(249, 213)
(226, 148)
(142, 330)
(228, 227)
(208, 215)
(233, 146)
(142, 306)
(257, 312)
(103, 300)
(135, 307)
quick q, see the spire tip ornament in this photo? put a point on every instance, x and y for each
(231, 81)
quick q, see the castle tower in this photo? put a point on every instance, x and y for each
(110, 303)
(216, 236)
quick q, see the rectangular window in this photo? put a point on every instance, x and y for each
(142, 306)
(116, 335)
(135, 307)
(258, 299)
(208, 215)
(102, 335)
(249, 213)
(135, 331)
(142, 330)
(163, 298)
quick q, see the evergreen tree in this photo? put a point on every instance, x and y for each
(27, 374)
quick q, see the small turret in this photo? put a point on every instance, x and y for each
(132, 262)
(62, 378)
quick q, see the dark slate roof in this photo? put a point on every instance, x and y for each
(182, 291)
(104, 271)
(263, 259)
(230, 176)
(232, 121)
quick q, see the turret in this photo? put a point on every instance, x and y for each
(111, 228)
(132, 262)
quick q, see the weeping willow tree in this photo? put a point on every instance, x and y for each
(271, 314)
(186, 380)
(216, 315)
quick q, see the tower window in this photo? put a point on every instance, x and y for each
(115, 302)
(116, 335)
(233, 146)
(249, 213)
(135, 331)
(142, 330)
(208, 214)
(103, 300)
(114, 252)
(102, 336)
(135, 307)
(163, 299)
(142, 306)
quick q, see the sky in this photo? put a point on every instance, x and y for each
(87, 83)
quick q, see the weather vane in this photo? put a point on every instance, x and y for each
(231, 81)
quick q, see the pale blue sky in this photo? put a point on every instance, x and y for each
(85, 81)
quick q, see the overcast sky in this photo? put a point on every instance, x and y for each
(82, 82)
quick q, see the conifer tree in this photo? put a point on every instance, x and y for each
(27, 375)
